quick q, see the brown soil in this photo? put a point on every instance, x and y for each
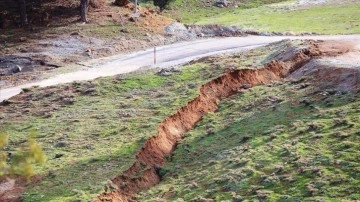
(144, 172)
(55, 13)
(149, 20)
(331, 75)
(330, 48)
(12, 188)
(62, 96)
(56, 38)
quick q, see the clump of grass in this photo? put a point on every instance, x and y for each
(315, 126)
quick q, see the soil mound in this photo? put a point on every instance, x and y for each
(329, 77)
(331, 73)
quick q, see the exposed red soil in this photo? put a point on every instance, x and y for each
(333, 76)
(144, 172)
(12, 188)
(149, 20)
(324, 77)
(330, 48)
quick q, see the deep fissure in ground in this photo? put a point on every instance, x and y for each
(144, 173)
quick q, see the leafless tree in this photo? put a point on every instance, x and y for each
(23, 13)
(84, 4)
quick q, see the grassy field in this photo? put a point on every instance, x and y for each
(91, 131)
(329, 19)
(266, 145)
(190, 11)
(341, 18)
(97, 136)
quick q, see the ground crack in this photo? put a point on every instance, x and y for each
(144, 173)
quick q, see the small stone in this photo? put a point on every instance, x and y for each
(124, 30)
(22, 39)
(246, 86)
(68, 101)
(60, 144)
(51, 174)
(290, 34)
(58, 155)
(305, 101)
(132, 19)
(89, 91)
(237, 198)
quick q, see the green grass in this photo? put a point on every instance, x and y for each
(248, 149)
(190, 11)
(109, 120)
(322, 19)
(328, 19)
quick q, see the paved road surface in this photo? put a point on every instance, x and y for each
(168, 55)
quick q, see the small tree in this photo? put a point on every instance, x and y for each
(84, 5)
(23, 13)
(161, 4)
(23, 161)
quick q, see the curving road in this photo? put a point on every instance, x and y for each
(168, 55)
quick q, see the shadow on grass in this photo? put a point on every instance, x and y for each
(82, 180)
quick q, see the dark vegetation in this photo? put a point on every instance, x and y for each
(27, 12)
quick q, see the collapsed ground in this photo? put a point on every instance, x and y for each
(76, 120)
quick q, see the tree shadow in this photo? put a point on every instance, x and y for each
(84, 179)
(40, 13)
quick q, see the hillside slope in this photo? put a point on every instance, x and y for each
(149, 169)
(286, 141)
(96, 128)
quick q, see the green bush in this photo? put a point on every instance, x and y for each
(23, 161)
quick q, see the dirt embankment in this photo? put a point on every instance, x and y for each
(144, 173)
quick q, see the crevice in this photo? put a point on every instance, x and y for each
(144, 173)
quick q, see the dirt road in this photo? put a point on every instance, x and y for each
(169, 55)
